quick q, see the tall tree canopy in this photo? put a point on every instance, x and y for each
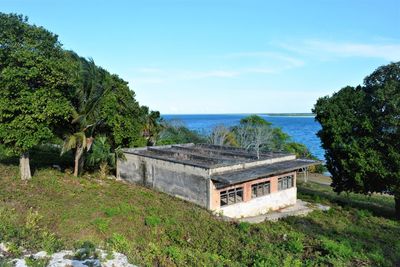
(35, 77)
(361, 134)
(46, 91)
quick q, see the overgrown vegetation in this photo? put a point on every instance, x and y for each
(153, 228)
(49, 94)
(175, 132)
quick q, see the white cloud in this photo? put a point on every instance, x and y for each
(239, 64)
(325, 49)
(285, 60)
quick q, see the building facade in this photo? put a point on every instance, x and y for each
(229, 181)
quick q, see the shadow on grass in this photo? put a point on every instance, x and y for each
(378, 207)
(42, 157)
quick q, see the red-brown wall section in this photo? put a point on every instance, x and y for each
(215, 201)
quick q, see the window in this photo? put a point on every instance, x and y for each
(285, 182)
(260, 189)
(231, 196)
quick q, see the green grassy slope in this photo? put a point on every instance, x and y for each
(153, 228)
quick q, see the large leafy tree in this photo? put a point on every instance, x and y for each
(361, 134)
(122, 117)
(34, 86)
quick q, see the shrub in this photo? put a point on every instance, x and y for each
(118, 243)
(85, 250)
(50, 242)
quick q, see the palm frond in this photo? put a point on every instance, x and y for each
(81, 138)
(69, 143)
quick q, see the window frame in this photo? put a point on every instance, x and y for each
(237, 193)
(264, 185)
(283, 182)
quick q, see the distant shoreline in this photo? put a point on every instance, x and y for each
(262, 114)
(289, 114)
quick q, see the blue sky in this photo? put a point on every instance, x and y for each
(226, 56)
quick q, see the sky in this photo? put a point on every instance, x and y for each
(226, 56)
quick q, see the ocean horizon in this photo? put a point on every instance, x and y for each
(301, 127)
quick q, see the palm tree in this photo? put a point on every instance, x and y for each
(85, 118)
(151, 126)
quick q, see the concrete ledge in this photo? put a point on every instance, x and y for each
(260, 205)
(301, 208)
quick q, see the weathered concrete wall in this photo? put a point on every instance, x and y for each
(180, 180)
(260, 205)
(131, 169)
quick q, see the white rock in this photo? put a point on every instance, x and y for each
(64, 258)
(119, 260)
(323, 207)
(40, 255)
(19, 263)
(3, 247)
(58, 260)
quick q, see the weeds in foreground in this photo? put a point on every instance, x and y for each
(152, 228)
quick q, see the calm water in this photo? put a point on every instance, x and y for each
(301, 129)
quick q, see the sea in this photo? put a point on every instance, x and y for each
(302, 129)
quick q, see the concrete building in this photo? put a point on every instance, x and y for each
(226, 180)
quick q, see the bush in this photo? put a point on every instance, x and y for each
(118, 243)
(85, 250)
(175, 132)
(29, 235)
(50, 242)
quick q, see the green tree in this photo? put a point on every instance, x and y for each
(122, 116)
(361, 135)
(101, 156)
(175, 132)
(92, 88)
(152, 125)
(34, 86)
(254, 133)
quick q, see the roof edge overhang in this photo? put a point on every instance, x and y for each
(268, 170)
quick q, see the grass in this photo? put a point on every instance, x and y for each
(55, 210)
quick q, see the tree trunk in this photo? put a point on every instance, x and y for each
(397, 206)
(24, 167)
(77, 161)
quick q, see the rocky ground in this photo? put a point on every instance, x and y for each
(80, 258)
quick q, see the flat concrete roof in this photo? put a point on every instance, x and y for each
(202, 155)
(266, 170)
